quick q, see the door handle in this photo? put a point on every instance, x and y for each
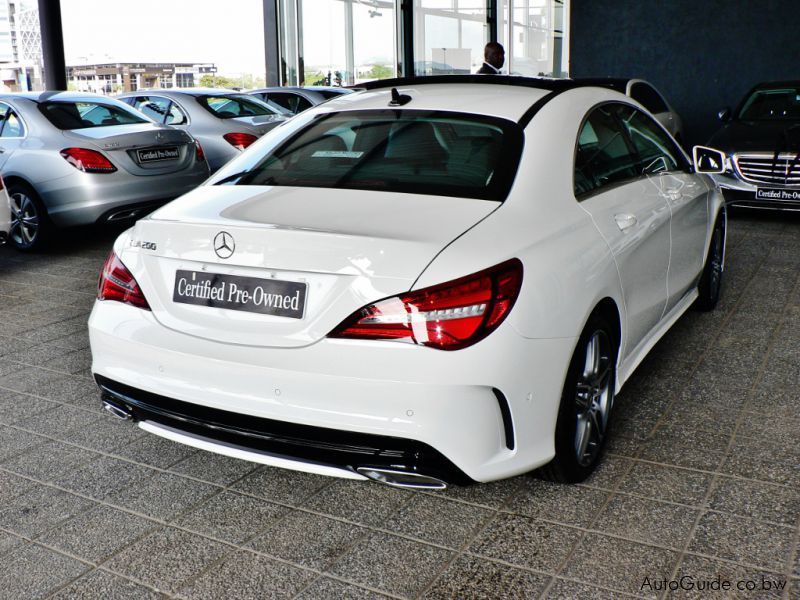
(2, 150)
(625, 221)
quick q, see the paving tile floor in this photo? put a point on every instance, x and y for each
(701, 477)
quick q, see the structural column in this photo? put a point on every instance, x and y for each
(55, 68)
(271, 42)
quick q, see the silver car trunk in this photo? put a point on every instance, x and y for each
(140, 149)
(345, 249)
(260, 123)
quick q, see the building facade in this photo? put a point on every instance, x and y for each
(114, 78)
(20, 46)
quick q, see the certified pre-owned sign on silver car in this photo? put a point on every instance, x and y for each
(428, 282)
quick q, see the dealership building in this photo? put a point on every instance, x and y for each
(119, 77)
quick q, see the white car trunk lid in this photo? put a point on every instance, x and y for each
(346, 248)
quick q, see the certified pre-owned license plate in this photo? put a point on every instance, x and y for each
(149, 155)
(249, 294)
(772, 194)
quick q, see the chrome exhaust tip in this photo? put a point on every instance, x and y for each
(402, 479)
(118, 411)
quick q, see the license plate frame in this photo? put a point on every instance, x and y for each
(145, 156)
(266, 296)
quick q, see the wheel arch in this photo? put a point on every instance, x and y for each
(12, 179)
(607, 308)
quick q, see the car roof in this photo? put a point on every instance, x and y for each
(198, 91)
(55, 96)
(506, 96)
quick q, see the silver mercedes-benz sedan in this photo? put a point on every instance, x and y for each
(76, 159)
(224, 122)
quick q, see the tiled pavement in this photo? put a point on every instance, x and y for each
(701, 477)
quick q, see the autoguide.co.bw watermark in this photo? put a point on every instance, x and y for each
(717, 584)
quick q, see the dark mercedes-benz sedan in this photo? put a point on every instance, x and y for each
(762, 141)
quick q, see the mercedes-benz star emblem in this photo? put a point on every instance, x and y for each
(224, 244)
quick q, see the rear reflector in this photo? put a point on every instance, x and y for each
(240, 140)
(117, 283)
(447, 316)
(88, 161)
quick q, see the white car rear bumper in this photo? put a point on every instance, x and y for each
(445, 400)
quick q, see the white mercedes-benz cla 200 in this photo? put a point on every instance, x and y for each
(432, 281)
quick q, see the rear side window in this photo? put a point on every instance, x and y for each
(11, 125)
(656, 150)
(648, 97)
(410, 151)
(82, 115)
(160, 109)
(232, 106)
(603, 156)
(291, 102)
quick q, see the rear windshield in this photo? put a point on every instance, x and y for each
(231, 106)
(772, 105)
(82, 115)
(411, 151)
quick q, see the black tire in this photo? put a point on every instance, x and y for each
(586, 405)
(711, 278)
(30, 226)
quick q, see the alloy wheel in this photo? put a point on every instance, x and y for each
(24, 220)
(594, 398)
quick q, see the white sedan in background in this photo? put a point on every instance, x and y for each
(432, 281)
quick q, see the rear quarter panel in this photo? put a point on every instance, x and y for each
(568, 267)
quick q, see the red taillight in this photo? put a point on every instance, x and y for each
(199, 155)
(88, 161)
(117, 283)
(240, 140)
(447, 316)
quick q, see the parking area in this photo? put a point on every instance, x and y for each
(700, 483)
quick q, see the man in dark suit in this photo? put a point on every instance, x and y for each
(494, 56)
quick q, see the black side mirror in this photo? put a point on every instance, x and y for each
(724, 115)
(708, 160)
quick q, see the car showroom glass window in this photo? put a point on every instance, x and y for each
(410, 151)
(81, 115)
(230, 107)
(772, 105)
(657, 152)
(602, 156)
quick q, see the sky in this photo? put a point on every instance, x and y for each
(229, 33)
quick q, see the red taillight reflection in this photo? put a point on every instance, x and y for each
(117, 283)
(240, 140)
(199, 155)
(88, 161)
(447, 316)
